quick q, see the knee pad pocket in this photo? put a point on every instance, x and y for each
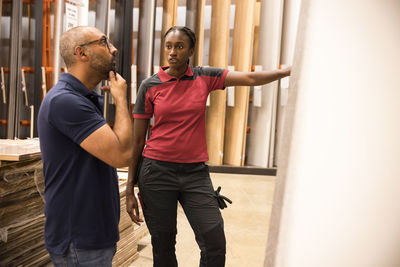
(214, 240)
(164, 240)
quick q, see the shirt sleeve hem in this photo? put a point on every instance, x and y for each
(92, 129)
(223, 79)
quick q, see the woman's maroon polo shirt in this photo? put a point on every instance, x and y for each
(178, 106)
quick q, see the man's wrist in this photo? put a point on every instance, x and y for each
(120, 100)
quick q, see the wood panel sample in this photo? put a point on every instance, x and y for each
(17, 150)
(219, 48)
(145, 48)
(236, 117)
(170, 13)
(195, 21)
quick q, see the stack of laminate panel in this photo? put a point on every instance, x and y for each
(130, 234)
(21, 212)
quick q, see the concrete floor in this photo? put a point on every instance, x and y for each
(246, 224)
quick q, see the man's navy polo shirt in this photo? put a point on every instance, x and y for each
(178, 106)
(81, 191)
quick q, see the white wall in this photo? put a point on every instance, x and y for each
(337, 196)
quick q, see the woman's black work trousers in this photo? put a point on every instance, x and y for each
(161, 185)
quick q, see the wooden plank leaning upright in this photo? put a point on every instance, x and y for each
(236, 117)
(219, 49)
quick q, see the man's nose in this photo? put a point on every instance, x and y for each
(113, 49)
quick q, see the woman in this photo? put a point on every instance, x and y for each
(173, 167)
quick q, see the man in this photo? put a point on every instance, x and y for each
(80, 153)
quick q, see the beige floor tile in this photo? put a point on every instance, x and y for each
(246, 224)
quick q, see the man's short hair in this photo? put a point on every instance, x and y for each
(71, 39)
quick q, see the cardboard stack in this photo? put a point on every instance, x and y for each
(21, 205)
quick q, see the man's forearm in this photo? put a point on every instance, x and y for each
(123, 124)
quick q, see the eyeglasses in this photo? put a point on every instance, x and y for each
(103, 41)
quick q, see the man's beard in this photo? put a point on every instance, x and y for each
(102, 67)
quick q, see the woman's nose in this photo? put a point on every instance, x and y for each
(172, 51)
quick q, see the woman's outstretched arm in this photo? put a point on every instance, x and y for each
(236, 78)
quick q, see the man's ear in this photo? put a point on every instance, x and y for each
(79, 51)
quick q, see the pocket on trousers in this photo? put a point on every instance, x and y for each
(145, 170)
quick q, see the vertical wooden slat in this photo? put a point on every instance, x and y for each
(236, 117)
(38, 11)
(256, 39)
(198, 54)
(195, 21)
(58, 26)
(170, 10)
(191, 16)
(145, 39)
(219, 48)
(46, 44)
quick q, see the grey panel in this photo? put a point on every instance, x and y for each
(145, 39)
(15, 67)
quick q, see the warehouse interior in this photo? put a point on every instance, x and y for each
(310, 161)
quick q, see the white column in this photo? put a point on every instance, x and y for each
(289, 30)
(262, 120)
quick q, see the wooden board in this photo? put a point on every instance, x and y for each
(262, 120)
(218, 57)
(145, 48)
(195, 21)
(256, 37)
(19, 157)
(18, 150)
(170, 13)
(198, 54)
(236, 117)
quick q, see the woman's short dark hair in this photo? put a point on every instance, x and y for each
(185, 30)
